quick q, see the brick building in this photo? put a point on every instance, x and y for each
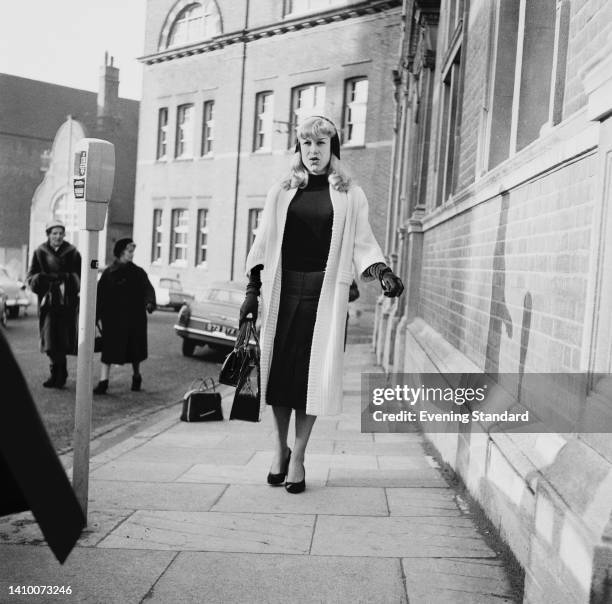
(499, 222)
(224, 83)
(31, 114)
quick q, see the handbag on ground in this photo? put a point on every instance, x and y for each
(201, 403)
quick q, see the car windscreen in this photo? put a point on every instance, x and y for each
(225, 295)
(172, 284)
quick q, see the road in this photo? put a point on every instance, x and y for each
(166, 375)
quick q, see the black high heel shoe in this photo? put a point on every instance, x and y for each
(278, 479)
(296, 487)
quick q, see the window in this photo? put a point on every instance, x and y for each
(208, 125)
(528, 93)
(304, 6)
(355, 109)
(202, 244)
(264, 125)
(156, 245)
(162, 133)
(178, 237)
(305, 101)
(254, 220)
(184, 131)
(196, 22)
(450, 104)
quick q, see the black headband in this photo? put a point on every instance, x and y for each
(334, 141)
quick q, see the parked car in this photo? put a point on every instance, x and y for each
(3, 312)
(15, 291)
(169, 292)
(212, 320)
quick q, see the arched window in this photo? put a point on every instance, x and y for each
(194, 23)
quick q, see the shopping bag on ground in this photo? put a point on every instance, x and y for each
(201, 403)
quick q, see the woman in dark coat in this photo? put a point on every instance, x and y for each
(125, 295)
(55, 277)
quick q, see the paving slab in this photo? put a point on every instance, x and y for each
(424, 477)
(397, 437)
(115, 494)
(422, 502)
(328, 500)
(190, 439)
(144, 471)
(447, 581)
(218, 578)
(155, 452)
(366, 448)
(397, 462)
(214, 531)
(22, 528)
(95, 576)
(263, 459)
(398, 537)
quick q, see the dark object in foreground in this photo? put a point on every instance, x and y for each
(31, 475)
(247, 403)
(201, 405)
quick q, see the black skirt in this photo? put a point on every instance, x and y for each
(297, 313)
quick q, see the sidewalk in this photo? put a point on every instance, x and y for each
(181, 513)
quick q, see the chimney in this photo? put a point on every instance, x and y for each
(108, 94)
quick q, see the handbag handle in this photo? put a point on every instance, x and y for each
(200, 384)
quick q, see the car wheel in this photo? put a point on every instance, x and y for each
(13, 312)
(188, 347)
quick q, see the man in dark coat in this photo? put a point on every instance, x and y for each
(55, 276)
(125, 295)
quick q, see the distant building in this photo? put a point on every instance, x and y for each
(501, 226)
(224, 85)
(31, 113)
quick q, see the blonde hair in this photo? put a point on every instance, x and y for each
(337, 174)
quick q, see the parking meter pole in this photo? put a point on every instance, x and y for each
(87, 318)
(94, 175)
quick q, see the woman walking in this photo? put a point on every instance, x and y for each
(55, 277)
(125, 295)
(314, 229)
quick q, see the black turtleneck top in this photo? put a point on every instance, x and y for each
(308, 228)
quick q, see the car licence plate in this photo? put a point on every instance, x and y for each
(213, 327)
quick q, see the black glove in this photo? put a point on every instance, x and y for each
(392, 285)
(251, 304)
(150, 307)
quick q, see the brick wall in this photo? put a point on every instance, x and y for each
(590, 26)
(482, 269)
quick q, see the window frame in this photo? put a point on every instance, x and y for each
(157, 242)
(176, 230)
(162, 134)
(202, 238)
(347, 109)
(253, 223)
(208, 128)
(293, 114)
(259, 122)
(181, 129)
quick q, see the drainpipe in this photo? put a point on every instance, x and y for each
(239, 147)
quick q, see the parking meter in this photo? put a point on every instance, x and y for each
(94, 175)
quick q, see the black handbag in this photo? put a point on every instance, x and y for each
(200, 404)
(234, 361)
(247, 400)
(98, 341)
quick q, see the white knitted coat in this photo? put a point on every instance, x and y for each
(352, 248)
